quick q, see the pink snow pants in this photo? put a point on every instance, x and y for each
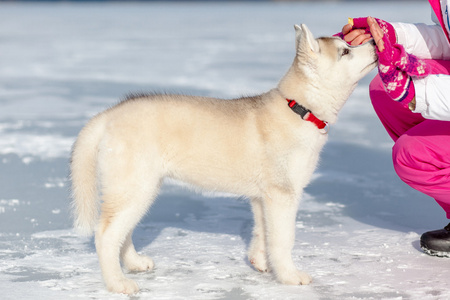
(421, 153)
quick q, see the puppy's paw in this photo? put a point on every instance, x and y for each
(139, 263)
(259, 261)
(294, 277)
(123, 286)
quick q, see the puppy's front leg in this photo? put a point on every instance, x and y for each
(257, 251)
(280, 210)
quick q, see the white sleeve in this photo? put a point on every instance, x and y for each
(433, 97)
(424, 41)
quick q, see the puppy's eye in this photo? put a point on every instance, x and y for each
(345, 52)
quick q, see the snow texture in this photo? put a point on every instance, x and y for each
(358, 225)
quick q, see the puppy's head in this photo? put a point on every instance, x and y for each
(332, 60)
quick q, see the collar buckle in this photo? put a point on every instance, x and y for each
(303, 111)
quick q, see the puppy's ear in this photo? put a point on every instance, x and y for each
(305, 40)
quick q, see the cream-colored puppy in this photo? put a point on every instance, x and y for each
(264, 147)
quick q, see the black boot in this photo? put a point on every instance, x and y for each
(437, 242)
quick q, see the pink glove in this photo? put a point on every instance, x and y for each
(361, 23)
(396, 67)
(388, 29)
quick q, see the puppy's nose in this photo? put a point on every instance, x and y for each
(372, 41)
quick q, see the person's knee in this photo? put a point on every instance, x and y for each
(376, 84)
(376, 90)
(404, 156)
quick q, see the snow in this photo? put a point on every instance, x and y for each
(358, 225)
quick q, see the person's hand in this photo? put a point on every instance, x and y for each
(395, 66)
(361, 30)
(355, 37)
(376, 33)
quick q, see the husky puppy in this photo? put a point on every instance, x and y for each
(264, 147)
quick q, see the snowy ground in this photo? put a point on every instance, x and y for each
(358, 225)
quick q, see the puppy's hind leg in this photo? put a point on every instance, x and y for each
(122, 208)
(132, 260)
(257, 251)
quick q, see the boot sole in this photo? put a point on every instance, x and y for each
(435, 253)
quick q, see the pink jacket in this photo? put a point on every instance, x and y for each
(430, 42)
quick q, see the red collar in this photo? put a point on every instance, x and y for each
(307, 115)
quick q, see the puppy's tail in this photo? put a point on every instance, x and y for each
(83, 174)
